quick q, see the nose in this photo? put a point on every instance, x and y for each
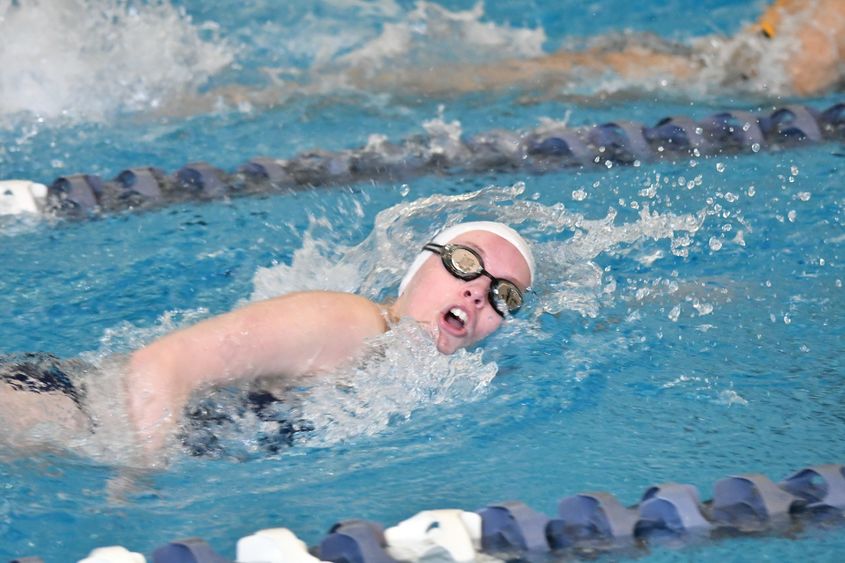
(475, 292)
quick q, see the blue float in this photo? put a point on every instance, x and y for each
(355, 541)
(191, 550)
(513, 526)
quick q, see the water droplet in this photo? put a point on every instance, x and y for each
(720, 167)
(702, 308)
(404, 189)
(804, 348)
(751, 191)
(821, 261)
(579, 194)
(787, 319)
(755, 147)
(715, 244)
(731, 197)
(838, 283)
(791, 215)
(675, 313)
(793, 170)
(804, 196)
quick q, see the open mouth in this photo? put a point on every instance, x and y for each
(456, 318)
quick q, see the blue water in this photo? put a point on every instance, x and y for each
(648, 353)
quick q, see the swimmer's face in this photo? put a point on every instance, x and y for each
(458, 313)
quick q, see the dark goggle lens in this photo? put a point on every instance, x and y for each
(506, 297)
(465, 263)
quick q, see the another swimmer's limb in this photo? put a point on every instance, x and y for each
(292, 335)
(547, 72)
(813, 34)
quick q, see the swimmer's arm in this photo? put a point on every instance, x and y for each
(286, 336)
(816, 61)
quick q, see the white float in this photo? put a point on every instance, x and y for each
(458, 532)
(21, 196)
(113, 554)
(273, 545)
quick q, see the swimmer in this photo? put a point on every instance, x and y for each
(797, 47)
(460, 288)
(803, 41)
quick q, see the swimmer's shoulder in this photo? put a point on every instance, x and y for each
(338, 309)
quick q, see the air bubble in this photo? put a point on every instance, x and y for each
(751, 191)
(791, 215)
(804, 196)
(755, 147)
(793, 170)
(720, 167)
(579, 194)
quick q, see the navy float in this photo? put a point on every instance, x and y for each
(586, 523)
(536, 151)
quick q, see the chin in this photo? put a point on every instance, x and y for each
(444, 346)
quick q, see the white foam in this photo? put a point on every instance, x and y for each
(431, 33)
(88, 59)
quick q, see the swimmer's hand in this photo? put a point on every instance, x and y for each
(291, 335)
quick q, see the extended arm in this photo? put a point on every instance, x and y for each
(287, 336)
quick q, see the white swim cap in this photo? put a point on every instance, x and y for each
(451, 233)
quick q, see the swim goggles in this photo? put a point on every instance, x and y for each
(465, 263)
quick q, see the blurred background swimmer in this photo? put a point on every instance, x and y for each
(796, 47)
(459, 290)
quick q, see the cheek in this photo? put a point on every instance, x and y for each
(488, 324)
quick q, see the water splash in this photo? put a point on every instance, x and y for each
(403, 374)
(431, 35)
(132, 56)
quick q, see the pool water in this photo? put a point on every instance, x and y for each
(686, 323)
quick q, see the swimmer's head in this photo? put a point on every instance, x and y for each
(446, 291)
